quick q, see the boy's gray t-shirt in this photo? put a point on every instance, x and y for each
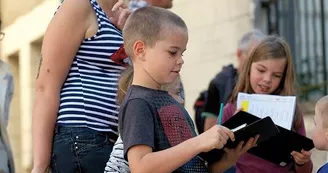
(153, 118)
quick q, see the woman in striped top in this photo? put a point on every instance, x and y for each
(75, 111)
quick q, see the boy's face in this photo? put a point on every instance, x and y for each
(163, 61)
(320, 134)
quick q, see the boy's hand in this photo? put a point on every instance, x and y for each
(302, 157)
(215, 137)
(121, 13)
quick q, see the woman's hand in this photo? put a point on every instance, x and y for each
(121, 14)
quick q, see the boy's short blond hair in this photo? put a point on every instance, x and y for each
(321, 109)
(149, 24)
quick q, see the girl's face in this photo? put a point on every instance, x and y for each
(175, 91)
(265, 75)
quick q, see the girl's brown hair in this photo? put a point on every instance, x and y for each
(168, 87)
(124, 83)
(271, 47)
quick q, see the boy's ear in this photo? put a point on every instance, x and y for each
(139, 48)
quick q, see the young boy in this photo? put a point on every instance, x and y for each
(157, 132)
(320, 134)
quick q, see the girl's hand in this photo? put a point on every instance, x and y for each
(302, 157)
(232, 155)
(121, 14)
(215, 137)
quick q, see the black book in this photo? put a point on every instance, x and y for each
(243, 130)
(276, 148)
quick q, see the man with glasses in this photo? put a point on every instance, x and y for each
(6, 93)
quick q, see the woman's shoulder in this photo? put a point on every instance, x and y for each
(80, 6)
(80, 10)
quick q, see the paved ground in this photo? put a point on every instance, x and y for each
(318, 157)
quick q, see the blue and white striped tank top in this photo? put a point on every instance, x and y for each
(88, 96)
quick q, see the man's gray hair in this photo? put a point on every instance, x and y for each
(249, 38)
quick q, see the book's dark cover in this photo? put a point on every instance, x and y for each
(276, 149)
(264, 127)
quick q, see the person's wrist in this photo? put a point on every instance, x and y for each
(300, 165)
(39, 168)
(227, 159)
(199, 146)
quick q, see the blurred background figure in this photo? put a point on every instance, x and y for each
(135, 4)
(221, 87)
(6, 93)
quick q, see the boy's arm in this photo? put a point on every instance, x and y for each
(143, 160)
(138, 128)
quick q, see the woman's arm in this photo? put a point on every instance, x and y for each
(62, 39)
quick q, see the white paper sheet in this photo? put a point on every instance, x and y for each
(281, 109)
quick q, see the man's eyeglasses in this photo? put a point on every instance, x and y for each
(2, 35)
